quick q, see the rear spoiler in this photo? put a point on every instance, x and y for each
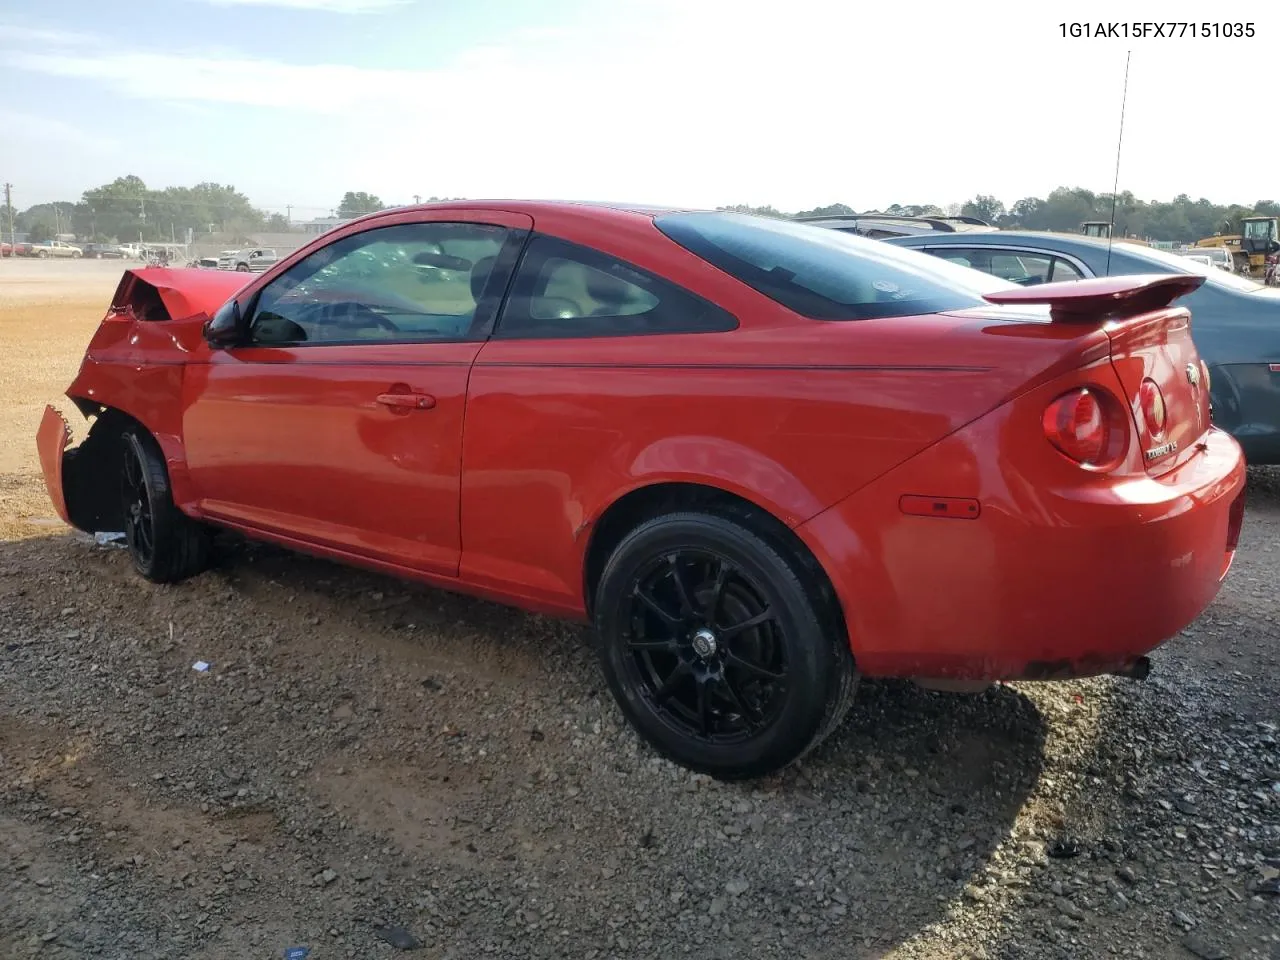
(1102, 298)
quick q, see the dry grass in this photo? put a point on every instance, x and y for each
(48, 312)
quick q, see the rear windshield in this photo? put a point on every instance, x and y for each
(828, 274)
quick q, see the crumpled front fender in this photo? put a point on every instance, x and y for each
(83, 481)
(52, 440)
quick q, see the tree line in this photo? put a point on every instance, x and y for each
(1181, 220)
(127, 210)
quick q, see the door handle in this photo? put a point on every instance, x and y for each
(407, 401)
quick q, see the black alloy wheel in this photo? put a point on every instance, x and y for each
(165, 544)
(718, 651)
(705, 647)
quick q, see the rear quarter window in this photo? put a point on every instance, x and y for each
(827, 274)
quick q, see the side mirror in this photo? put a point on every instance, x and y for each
(224, 328)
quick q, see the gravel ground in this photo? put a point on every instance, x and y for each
(367, 761)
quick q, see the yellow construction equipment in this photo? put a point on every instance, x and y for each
(1259, 242)
(1250, 248)
(1101, 229)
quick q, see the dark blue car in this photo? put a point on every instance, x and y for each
(1235, 321)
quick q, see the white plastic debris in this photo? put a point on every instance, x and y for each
(105, 538)
(200, 666)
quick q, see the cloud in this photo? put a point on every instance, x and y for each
(13, 33)
(325, 6)
(47, 130)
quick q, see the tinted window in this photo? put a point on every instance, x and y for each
(826, 274)
(410, 282)
(566, 290)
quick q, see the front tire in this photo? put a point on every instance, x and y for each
(166, 545)
(242, 268)
(716, 648)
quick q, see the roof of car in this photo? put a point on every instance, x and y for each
(536, 206)
(999, 237)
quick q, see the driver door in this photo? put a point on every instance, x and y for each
(338, 422)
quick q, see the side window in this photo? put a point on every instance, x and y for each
(405, 283)
(1027, 269)
(1063, 271)
(566, 290)
(962, 258)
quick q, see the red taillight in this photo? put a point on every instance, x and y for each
(1085, 427)
(1154, 412)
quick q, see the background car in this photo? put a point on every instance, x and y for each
(1236, 320)
(763, 459)
(103, 251)
(1219, 257)
(254, 260)
(880, 225)
(55, 248)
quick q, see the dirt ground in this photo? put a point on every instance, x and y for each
(369, 767)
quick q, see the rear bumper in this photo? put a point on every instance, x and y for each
(1044, 583)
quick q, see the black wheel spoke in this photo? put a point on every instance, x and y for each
(686, 603)
(647, 643)
(749, 714)
(704, 707)
(733, 659)
(651, 602)
(717, 592)
(673, 682)
(763, 617)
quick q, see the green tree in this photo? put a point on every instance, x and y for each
(830, 210)
(39, 232)
(358, 204)
(278, 223)
(984, 208)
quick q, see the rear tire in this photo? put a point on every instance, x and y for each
(166, 545)
(717, 650)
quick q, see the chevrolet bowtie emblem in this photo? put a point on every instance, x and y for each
(1193, 374)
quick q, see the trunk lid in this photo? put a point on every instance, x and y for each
(1157, 349)
(1153, 355)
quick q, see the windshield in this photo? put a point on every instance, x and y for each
(1178, 264)
(828, 274)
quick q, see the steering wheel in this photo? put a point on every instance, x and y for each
(351, 315)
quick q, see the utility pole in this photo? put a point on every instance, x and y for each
(288, 213)
(142, 207)
(417, 198)
(8, 206)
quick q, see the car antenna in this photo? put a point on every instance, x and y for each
(1111, 231)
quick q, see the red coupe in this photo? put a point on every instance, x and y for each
(762, 458)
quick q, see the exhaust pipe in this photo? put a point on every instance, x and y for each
(1140, 669)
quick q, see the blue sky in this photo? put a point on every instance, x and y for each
(670, 101)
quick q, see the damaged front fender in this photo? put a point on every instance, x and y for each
(52, 440)
(82, 481)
